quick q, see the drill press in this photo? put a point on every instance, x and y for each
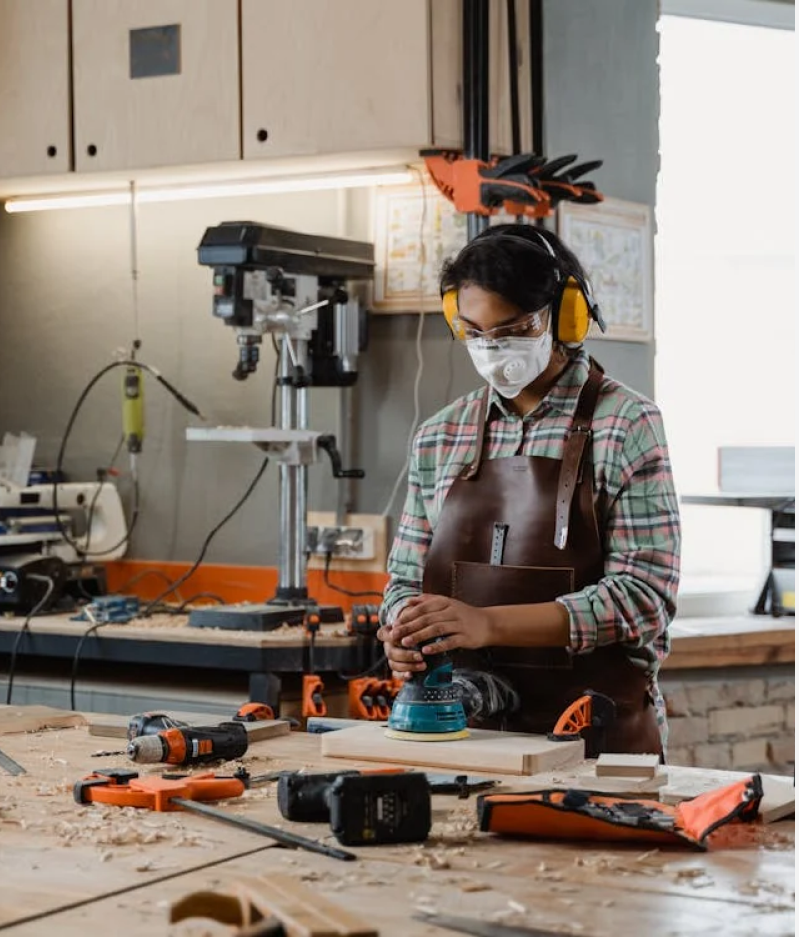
(293, 287)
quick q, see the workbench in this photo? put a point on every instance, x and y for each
(75, 870)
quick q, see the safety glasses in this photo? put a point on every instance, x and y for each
(530, 325)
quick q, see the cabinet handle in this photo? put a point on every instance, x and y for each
(52, 151)
(262, 135)
(91, 149)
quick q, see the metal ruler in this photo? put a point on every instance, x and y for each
(8, 764)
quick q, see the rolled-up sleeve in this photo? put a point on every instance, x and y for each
(635, 601)
(409, 549)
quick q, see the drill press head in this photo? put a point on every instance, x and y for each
(273, 280)
(428, 708)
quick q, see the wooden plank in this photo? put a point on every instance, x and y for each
(484, 751)
(303, 913)
(634, 786)
(627, 766)
(109, 725)
(35, 718)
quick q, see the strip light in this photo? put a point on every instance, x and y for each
(182, 193)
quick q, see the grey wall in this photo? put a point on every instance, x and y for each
(65, 306)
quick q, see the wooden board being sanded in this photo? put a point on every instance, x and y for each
(108, 725)
(483, 751)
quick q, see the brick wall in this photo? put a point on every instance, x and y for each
(739, 718)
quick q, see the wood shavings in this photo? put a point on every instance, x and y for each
(517, 906)
(432, 859)
(471, 886)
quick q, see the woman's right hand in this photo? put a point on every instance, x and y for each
(403, 661)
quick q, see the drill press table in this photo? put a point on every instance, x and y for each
(265, 657)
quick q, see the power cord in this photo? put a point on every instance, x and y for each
(156, 604)
(90, 630)
(341, 589)
(377, 665)
(25, 627)
(193, 598)
(102, 475)
(124, 363)
(148, 609)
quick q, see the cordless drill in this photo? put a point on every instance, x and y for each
(190, 746)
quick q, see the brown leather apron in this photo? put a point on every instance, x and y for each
(522, 530)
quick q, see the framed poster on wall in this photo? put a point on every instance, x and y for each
(614, 242)
(415, 230)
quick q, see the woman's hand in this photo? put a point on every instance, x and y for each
(441, 624)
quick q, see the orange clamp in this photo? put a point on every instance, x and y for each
(313, 703)
(152, 792)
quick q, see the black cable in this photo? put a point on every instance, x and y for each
(184, 401)
(190, 572)
(341, 589)
(273, 402)
(25, 626)
(93, 627)
(102, 475)
(365, 673)
(147, 572)
(193, 598)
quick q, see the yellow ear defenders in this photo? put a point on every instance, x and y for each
(573, 305)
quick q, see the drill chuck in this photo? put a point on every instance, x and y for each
(147, 750)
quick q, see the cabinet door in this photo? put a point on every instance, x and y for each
(156, 82)
(334, 76)
(447, 69)
(34, 77)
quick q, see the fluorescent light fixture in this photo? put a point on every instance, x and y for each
(233, 187)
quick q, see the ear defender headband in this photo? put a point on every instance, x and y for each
(573, 305)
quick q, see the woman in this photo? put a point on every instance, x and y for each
(539, 542)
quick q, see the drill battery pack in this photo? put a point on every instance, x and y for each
(369, 809)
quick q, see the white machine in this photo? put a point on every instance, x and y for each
(90, 513)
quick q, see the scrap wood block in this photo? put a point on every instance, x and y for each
(484, 751)
(627, 766)
(302, 912)
(619, 784)
(35, 718)
(109, 725)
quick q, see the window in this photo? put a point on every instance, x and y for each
(724, 249)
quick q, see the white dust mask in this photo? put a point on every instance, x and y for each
(510, 364)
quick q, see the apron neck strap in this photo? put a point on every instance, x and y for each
(470, 470)
(571, 466)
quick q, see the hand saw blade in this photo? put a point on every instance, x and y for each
(8, 764)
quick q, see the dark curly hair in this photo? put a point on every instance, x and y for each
(512, 261)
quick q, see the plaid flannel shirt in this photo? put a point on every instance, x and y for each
(635, 600)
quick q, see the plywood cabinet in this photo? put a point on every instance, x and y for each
(156, 82)
(34, 81)
(447, 74)
(333, 76)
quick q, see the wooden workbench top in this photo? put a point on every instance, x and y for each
(76, 870)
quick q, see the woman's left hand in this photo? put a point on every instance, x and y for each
(445, 622)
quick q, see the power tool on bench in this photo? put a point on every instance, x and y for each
(428, 707)
(364, 807)
(182, 745)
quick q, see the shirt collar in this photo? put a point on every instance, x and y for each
(562, 396)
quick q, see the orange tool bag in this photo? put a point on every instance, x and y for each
(578, 815)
